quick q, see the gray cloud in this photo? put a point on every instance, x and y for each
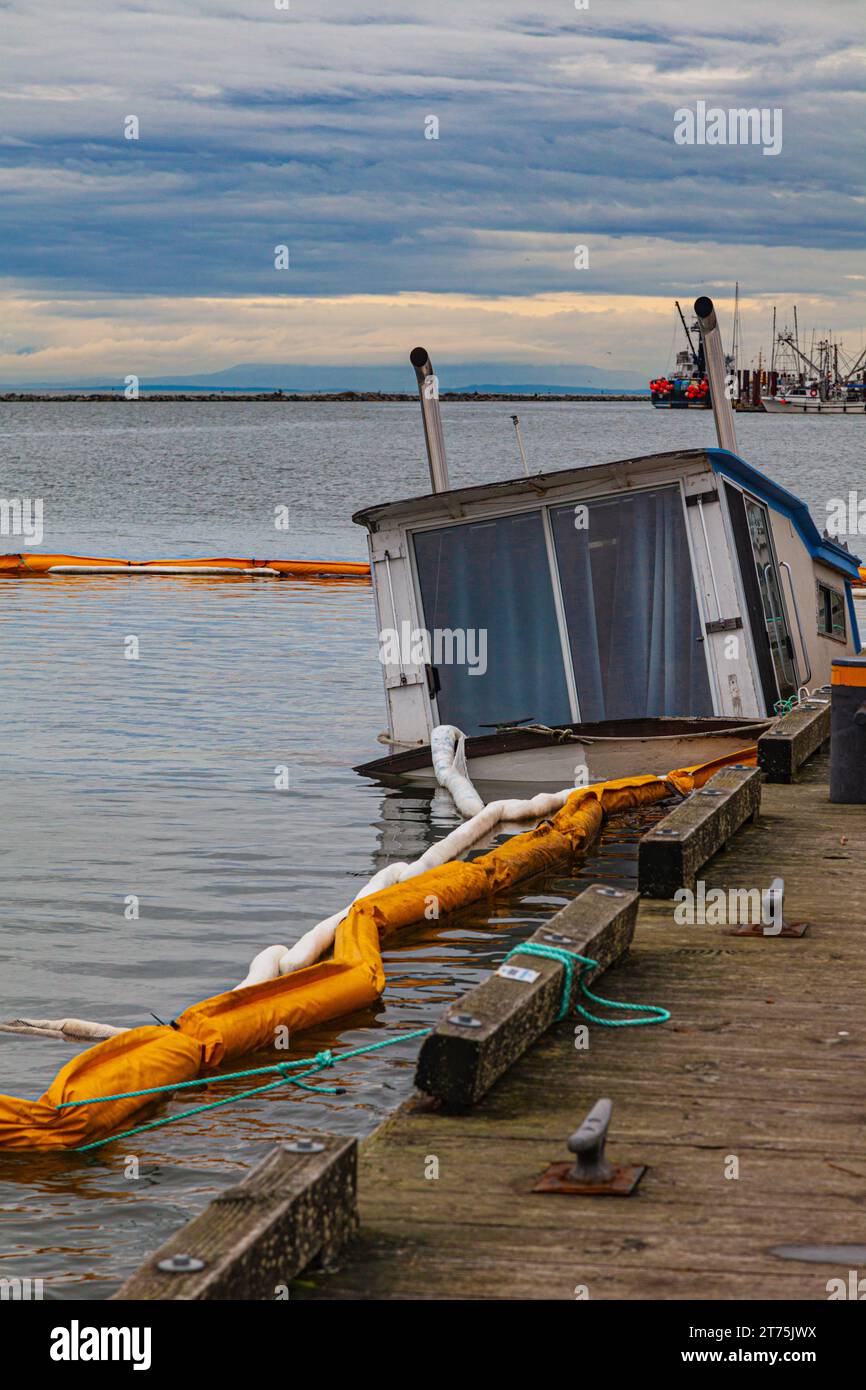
(306, 127)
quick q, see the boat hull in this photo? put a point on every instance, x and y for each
(513, 762)
(812, 406)
(680, 403)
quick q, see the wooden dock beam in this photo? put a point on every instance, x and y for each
(672, 853)
(252, 1239)
(492, 1025)
(783, 749)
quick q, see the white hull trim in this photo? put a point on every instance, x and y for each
(812, 406)
(553, 767)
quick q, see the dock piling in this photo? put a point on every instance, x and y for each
(784, 748)
(499, 1019)
(673, 852)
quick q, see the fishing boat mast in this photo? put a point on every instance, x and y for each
(735, 342)
(694, 351)
(820, 368)
(859, 362)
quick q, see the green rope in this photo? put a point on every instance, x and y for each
(315, 1064)
(321, 1058)
(786, 706)
(568, 960)
(312, 1065)
(197, 1110)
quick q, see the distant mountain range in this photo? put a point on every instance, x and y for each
(488, 377)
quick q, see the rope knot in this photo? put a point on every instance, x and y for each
(568, 959)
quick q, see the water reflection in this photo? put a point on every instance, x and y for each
(95, 1216)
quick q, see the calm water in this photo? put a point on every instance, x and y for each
(155, 777)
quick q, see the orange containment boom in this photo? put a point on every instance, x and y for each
(58, 565)
(242, 1021)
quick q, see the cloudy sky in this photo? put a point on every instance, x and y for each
(307, 127)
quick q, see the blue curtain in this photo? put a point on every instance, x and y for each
(494, 576)
(631, 609)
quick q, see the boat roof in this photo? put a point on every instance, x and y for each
(452, 504)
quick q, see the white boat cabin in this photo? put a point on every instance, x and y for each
(679, 584)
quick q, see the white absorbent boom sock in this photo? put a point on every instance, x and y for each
(447, 747)
(75, 1029)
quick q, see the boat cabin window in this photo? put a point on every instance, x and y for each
(633, 624)
(489, 612)
(508, 601)
(831, 613)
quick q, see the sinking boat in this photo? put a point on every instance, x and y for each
(654, 610)
(648, 613)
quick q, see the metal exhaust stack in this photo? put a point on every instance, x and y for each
(714, 357)
(433, 436)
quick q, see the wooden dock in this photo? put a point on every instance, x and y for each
(761, 1066)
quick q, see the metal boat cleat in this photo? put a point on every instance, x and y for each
(591, 1174)
(772, 900)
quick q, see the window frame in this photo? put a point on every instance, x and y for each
(545, 509)
(840, 595)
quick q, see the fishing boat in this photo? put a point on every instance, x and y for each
(813, 398)
(634, 616)
(688, 386)
(823, 381)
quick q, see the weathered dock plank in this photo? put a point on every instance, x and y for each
(257, 1236)
(761, 1063)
